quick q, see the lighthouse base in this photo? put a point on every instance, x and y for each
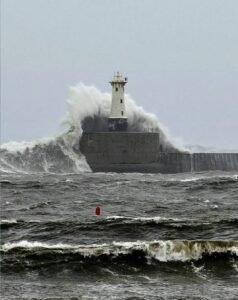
(117, 124)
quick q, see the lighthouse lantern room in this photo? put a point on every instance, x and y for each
(117, 120)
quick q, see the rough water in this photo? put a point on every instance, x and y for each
(158, 236)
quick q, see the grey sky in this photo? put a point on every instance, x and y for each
(181, 58)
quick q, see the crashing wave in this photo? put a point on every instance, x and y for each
(91, 108)
(161, 251)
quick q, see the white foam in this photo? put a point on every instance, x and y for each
(143, 219)
(233, 176)
(190, 179)
(71, 140)
(31, 245)
(8, 221)
(117, 217)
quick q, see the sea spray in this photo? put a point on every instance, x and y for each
(90, 108)
(88, 101)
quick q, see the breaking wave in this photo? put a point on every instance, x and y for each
(88, 109)
(26, 254)
(50, 156)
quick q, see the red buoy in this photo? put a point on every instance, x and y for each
(97, 211)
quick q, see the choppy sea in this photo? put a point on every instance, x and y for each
(158, 236)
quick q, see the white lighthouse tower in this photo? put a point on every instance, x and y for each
(118, 119)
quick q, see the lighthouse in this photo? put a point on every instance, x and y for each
(117, 120)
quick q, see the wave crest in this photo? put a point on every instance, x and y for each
(161, 251)
(51, 156)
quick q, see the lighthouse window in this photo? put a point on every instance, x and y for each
(121, 100)
(116, 89)
(122, 113)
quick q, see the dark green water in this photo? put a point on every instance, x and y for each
(158, 236)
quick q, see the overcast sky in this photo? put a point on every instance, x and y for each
(180, 56)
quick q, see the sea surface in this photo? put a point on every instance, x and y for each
(158, 236)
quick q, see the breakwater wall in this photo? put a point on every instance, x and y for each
(142, 152)
(197, 162)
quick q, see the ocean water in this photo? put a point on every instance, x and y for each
(158, 236)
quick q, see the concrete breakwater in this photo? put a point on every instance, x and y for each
(143, 152)
(197, 162)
